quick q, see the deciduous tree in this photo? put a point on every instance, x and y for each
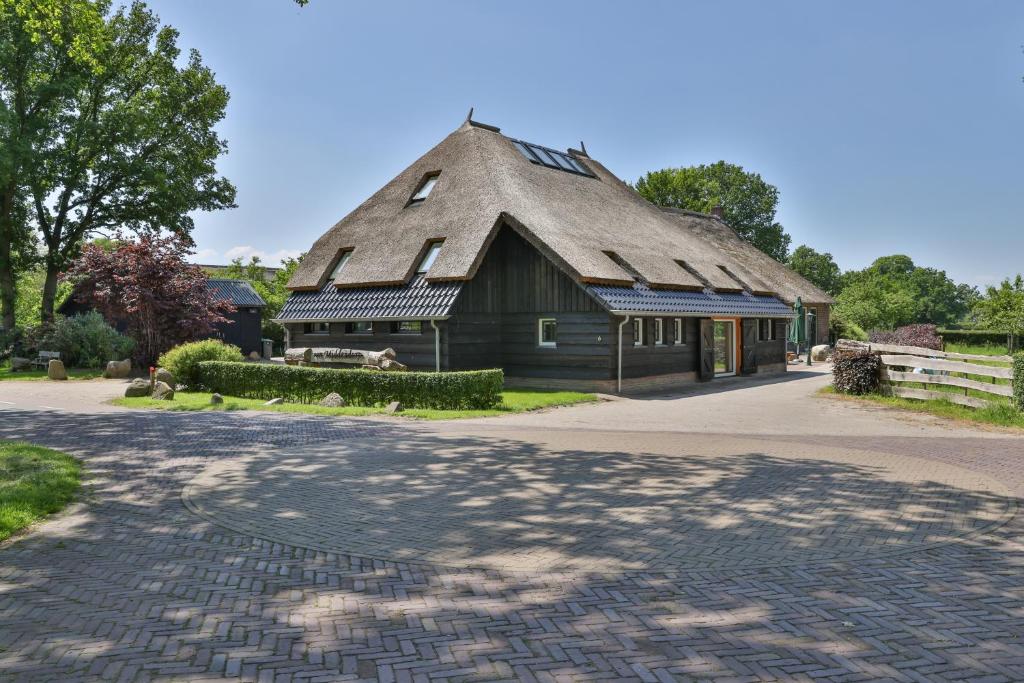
(1002, 307)
(748, 202)
(148, 285)
(820, 268)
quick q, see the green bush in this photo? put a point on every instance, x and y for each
(85, 341)
(472, 390)
(855, 372)
(1018, 380)
(841, 328)
(183, 360)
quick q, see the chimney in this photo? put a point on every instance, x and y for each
(718, 212)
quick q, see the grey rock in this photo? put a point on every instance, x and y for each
(333, 400)
(55, 370)
(274, 402)
(821, 352)
(162, 391)
(165, 376)
(136, 388)
(394, 407)
(18, 364)
(216, 399)
(118, 369)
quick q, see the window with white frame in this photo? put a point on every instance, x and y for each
(638, 331)
(407, 327)
(547, 332)
(433, 249)
(765, 330)
(424, 189)
(659, 332)
(343, 258)
(678, 332)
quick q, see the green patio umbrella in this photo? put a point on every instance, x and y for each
(798, 330)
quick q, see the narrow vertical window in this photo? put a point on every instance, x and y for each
(424, 189)
(547, 332)
(659, 332)
(678, 332)
(343, 258)
(638, 331)
(433, 249)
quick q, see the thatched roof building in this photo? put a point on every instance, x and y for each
(420, 248)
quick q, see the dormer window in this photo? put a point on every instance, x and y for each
(340, 266)
(433, 249)
(425, 187)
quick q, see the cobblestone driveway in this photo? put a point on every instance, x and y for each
(348, 549)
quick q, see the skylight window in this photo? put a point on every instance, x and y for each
(425, 189)
(428, 259)
(551, 158)
(342, 261)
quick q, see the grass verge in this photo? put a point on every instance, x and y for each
(73, 373)
(978, 349)
(513, 401)
(34, 482)
(999, 414)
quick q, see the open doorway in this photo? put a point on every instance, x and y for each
(725, 348)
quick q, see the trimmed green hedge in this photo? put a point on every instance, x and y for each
(1018, 380)
(989, 337)
(472, 390)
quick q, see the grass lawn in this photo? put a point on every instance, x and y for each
(978, 349)
(73, 373)
(34, 482)
(1001, 414)
(513, 401)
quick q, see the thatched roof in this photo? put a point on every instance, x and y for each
(573, 219)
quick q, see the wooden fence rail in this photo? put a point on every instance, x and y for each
(947, 370)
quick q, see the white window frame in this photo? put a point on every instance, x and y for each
(638, 331)
(678, 332)
(659, 331)
(424, 189)
(397, 329)
(343, 259)
(429, 256)
(540, 333)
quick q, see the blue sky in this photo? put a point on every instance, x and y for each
(887, 127)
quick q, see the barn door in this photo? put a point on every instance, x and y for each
(706, 370)
(749, 364)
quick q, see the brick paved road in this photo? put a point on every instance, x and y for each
(538, 548)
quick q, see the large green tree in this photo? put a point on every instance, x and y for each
(893, 291)
(820, 268)
(274, 290)
(1002, 307)
(127, 143)
(747, 201)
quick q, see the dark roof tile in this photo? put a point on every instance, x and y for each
(416, 300)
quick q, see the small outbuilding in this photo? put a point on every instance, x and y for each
(490, 251)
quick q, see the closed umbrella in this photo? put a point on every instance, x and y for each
(798, 330)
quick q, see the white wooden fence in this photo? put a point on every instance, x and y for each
(940, 369)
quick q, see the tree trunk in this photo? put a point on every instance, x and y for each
(7, 283)
(49, 292)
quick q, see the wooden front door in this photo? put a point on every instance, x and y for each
(749, 348)
(707, 349)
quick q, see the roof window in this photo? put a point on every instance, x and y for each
(425, 187)
(552, 158)
(342, 261)
(433, 249)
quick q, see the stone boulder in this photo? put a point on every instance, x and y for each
(821, 352)
(216, 399)
(333, 400)
(118, 369)
(162, 391)
(394, 407)
(136, 388)
(19, 364)
(55, 370)
(164, 375)
(255, 355)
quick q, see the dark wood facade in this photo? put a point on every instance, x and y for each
(495, 323)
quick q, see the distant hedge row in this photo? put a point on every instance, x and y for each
(1018, 380)
(471, 390)
(979, 337)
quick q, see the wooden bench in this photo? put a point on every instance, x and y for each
(44, 358)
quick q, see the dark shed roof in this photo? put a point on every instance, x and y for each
(642, 299)
(418, 299)
(239, 292)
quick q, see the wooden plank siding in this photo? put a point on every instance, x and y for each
(414, 350)
(651, 359)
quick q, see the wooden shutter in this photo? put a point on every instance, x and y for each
(749, 354)
(706, 369)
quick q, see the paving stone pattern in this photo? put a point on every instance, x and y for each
(132, 585)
